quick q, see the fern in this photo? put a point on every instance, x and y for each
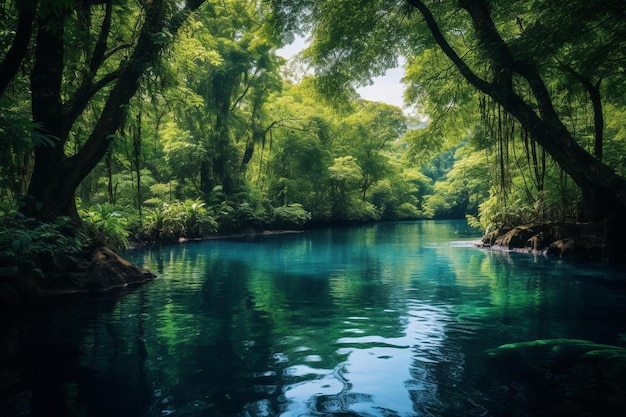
(29, 248)
(106, 224)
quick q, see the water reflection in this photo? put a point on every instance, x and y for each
(384, 320)
(342, 336)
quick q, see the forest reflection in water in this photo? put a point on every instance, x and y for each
(390, 319)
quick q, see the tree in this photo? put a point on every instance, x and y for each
(346, 204)
(604, 191)
(464, 188)
(298, 150)
(85, 50)
(367, 134)
(226, 70)
(492, 44)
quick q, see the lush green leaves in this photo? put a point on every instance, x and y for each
(292, 216)
(187, 219)
(29, 248)
(106, 224)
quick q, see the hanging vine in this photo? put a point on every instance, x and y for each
(506, 138)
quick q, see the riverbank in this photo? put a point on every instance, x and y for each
(138, 243)
(97, 269)
(593, 242)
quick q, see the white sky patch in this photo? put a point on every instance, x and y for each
(387, 88)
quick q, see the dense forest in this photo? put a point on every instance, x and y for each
(149, 121)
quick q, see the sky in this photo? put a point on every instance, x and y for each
(388, 88)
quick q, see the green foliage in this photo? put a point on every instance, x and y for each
(557, 202)
(29, 248)
(462, 189)
(239, 217)
(443, 204)
(226, 68)
(180, 219)
(495, 214)
(407, 211)
(382, 196)
(396, 200)
(361, 211)
(214, 119)
(16, 128)
(562, 66)
(106, 224)
(292, 216)
(345, 200)
(345, 170)
(8, 207)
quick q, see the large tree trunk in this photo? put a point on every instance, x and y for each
(47, 108)
(604, 192)
(55, 176)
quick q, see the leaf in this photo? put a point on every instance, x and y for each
(40, 139)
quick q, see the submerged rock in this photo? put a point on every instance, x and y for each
(560, 376)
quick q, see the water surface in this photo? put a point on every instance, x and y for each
(390, 319)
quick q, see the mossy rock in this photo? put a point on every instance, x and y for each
(582, 248)
(561, 377)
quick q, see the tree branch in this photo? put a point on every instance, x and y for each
(115, 49)
(101, 44)
(596, 102)
(14, 57)
(503, 61)
(75, 106)
(591, 175)
(447, 49)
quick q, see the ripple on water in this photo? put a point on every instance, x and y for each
(302, 349)
(263, 374)
(355, 331)
(280, 357)
(373, 341)
(303, 371)
(262, 408)
(464, 327)
(359, 318)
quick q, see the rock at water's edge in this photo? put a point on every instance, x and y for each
(100, 269)
(583, 241)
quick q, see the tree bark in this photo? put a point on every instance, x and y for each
(47, 109)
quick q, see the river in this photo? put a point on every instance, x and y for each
(388, 319)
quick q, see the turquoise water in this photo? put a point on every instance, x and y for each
(390, 319)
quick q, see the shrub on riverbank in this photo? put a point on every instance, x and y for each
(28, 248)
(171, 221)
